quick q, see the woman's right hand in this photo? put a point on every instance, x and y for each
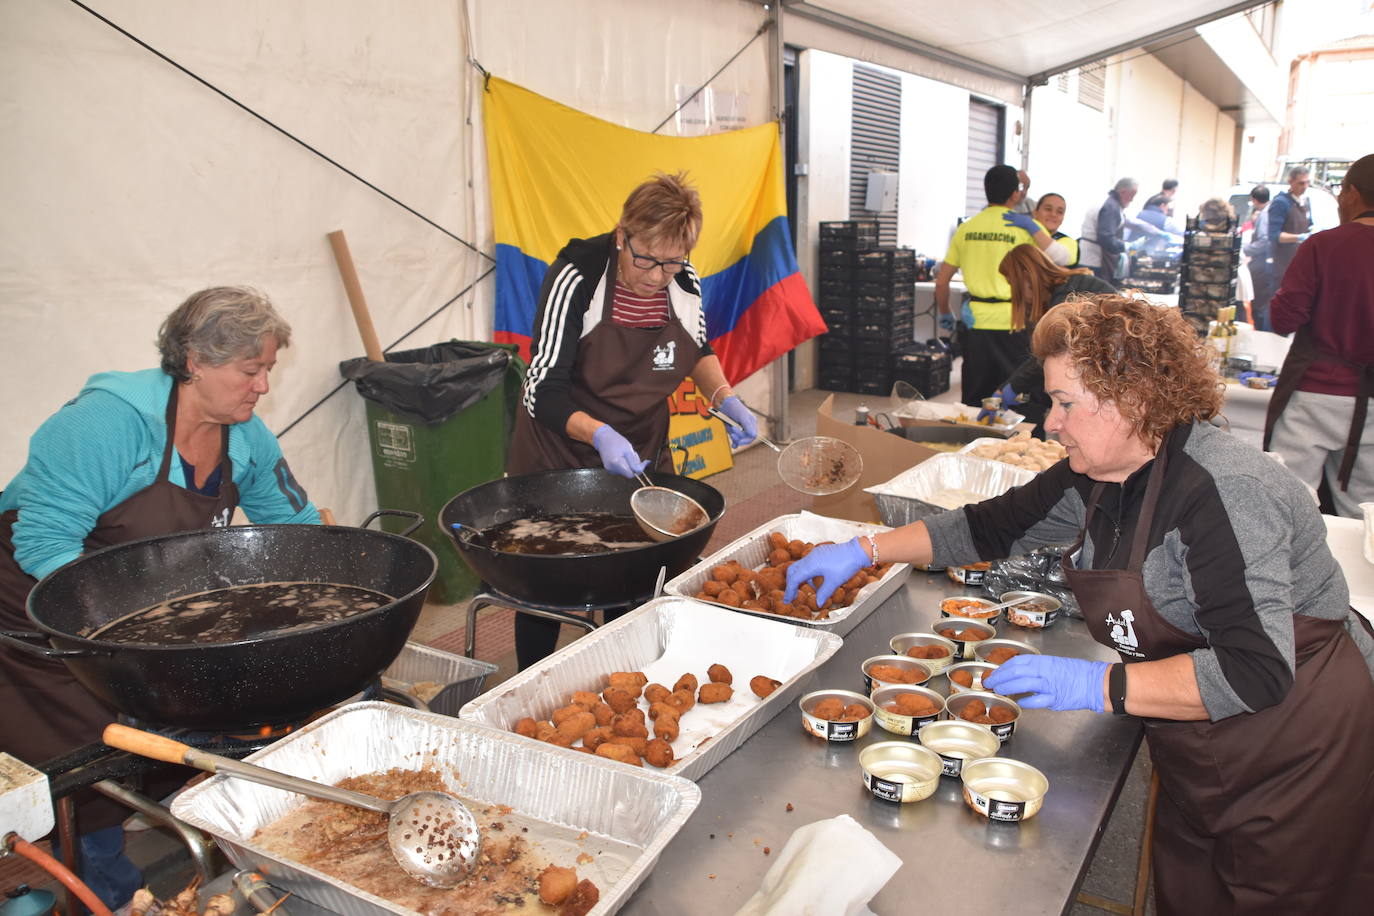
(836, 564)
(617, 454)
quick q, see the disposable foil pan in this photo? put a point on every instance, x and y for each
(440, 680)
(665, 638)
(555, 793)
(752, 551)
(908, 496)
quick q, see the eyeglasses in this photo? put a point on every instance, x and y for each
(644, 262)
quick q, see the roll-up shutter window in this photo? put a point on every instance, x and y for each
(876, 132)
(984, 150)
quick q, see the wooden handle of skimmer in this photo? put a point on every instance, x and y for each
(326, 517)
(145, 744)
(361, 316)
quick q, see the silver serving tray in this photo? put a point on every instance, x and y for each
(628, 815)
(753, 548)
(905, 498)
(654, 634)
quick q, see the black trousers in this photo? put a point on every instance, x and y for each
(990, 358)
(536, 637)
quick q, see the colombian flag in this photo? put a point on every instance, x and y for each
(558, 174)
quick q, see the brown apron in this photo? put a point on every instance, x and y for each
(1265, 812)
(621, 376)
(1297, 221)
(47, 712)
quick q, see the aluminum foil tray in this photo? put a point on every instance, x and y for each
(629, 815)
(906, 497)
(665, 638)
(752, 550)
(440, 680)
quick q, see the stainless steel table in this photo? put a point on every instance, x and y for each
(717, 861)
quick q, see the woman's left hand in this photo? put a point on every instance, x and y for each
(734, 408)
(1053, 682)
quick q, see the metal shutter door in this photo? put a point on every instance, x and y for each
(876, 133)
(984, 150)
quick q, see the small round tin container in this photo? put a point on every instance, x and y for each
(900, 771)
(963, 648)
(978, 670)
(897, 723)
(981, 651)
(957, 742)
(1003, 730)
(835, 731)
(1002, 789)
(974, 574)
(949, 608)
(924, 671)
(905, 641)
(1040, 612)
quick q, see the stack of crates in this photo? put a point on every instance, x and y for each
(923, 366)
(868, 299)
(1153, 274)
(1211, 257)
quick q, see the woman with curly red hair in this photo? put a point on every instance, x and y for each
(1203, 563)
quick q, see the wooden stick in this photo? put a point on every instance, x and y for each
(327, 517)
(361, 316)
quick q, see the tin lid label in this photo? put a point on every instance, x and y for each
(841, 731)
(953, 766)
(882, 788)
(1005, 810)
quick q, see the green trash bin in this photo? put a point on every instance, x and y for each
(439, 420)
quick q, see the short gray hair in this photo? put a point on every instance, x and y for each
(1126, 184)
(218, 325)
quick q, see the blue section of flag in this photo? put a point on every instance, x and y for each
(727, 294)
(518, 278)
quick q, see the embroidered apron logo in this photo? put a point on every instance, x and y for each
(1122, 632)
(665, 356)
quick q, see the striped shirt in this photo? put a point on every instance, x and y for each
(631, 311)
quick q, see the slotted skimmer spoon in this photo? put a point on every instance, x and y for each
(664, 513)
(433, 835)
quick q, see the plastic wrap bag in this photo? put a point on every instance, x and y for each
(1037, 571)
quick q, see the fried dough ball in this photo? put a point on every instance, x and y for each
(1000, 715)
(584, 897)
(664, 710)
(566, 712)
(604, 713)
(777, 540)
(527, 727)
(655, 693)
(594, 738)
(666, 727)
(686, 682)
(629, 727)
(619, 699)
(633, 681)
(932, 651)
(719, 674)
(683, 699)
(963, 678)
(618, 752)
(556, 884)
(712, 587)
(913, 704)
(891, 674)
(730, 598)
(585, 698)
(853, 712)
(715, 693)
(797, 549)
(974, 707)
(575, 726)
(724, 573)
(543, 731)
(763, 686)
(1001, 654)
(778, 555)
(967, 634)
(659, 753)
(634, 744)
(829, 708)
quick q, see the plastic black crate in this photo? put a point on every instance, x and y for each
(1199, 240)
(832, 378)
(1208, 274)
(839, 323)
(832, 259)
(852, 243)
(850, 229)
(887, 261)
(1151, 285)
(1216, 292)
(924, 367)
(1155, 273)
(885, 290)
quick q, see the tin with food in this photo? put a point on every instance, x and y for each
(965, 634)
(956, 742)
(980, 609)
(935, 652)
(903, 710)
(836, 715)
(888, 670)
(968, 676)
(1002, 789)
(983, 707)
(970, 575)
(1038, 612)
(997, 651)
(900, 771)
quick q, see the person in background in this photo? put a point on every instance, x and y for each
(1160, 207)
(1049, 212)
(991, 348)
(1102, 246)
(1319, 418)
(1290, 221)
(1036, 287)
(135, 455)
(1257, 251)
(1204, 565)
(620, 325)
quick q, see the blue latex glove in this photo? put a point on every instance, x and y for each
(1136, 244)
(1021, 221)
(1009, 397)
(835, 563)
(1304, 236)
(734, 408)
(1052, 682)
(617, 454)
(946, 321)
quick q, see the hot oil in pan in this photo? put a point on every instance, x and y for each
(582, 532)
(241, 612)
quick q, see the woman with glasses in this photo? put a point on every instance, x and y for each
(620, 325)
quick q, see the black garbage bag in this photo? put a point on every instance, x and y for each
(1037, 571)
(432, 383)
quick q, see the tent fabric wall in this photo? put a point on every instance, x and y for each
(129, 185)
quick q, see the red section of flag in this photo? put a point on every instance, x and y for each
(777, 321)
(521, 340)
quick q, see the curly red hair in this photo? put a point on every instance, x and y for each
(1144, 358)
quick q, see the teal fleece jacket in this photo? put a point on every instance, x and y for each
(106, 445)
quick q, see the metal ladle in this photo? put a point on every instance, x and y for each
(665, 513)
(433, 835)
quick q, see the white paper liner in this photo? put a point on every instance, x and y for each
(906, 497)
(752, 551)
(628, 815)
(1368, 543)
(666, 638)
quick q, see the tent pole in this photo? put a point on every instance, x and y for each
(778, 381)
(1026, 126)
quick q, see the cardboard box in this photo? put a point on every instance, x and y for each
(885, 456)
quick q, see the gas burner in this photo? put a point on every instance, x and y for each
(579, 615)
